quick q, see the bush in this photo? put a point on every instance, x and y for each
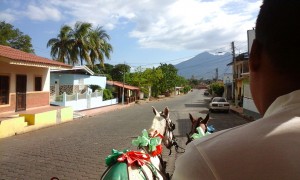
(95, 87)
(217, 88)
(107, 94)
(186, 89)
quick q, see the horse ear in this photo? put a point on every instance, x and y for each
(191, 117)
(204, 121)
(154, 111)
(166, 111)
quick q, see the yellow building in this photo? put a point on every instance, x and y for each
(24, 92)
(242, 94)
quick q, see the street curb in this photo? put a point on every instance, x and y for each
(249, 119)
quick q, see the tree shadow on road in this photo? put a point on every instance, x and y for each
(196, 105)
(184, 126)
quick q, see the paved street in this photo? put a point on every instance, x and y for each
(76, 150)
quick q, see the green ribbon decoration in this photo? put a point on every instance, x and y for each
(112, 158)
(145, 140)
(199, 134)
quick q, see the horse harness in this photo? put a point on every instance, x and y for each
(170, 128)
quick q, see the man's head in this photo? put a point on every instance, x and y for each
(277, 31)
(274, 59)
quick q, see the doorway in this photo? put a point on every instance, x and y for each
(21, 86)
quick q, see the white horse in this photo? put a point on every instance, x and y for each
(146, 163)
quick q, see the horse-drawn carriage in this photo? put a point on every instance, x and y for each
(147, 162)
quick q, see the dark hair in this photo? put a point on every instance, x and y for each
(277, 30)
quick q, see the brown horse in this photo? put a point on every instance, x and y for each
(197, 122)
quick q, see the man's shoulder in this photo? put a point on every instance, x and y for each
(251, 133)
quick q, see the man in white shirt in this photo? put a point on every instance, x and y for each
(268, 148)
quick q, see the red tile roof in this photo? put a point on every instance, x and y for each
(21, 56)
(120, 84)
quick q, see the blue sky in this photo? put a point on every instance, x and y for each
(143, 32)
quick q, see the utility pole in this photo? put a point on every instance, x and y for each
(217, 74)
(123, 84)
(234, 73)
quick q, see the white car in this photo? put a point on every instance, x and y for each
(219, 104)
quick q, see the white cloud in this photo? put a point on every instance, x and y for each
(189, 24)
(168, 24)
(7, 16)
(43, 13)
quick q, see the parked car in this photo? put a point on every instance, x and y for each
(219, 104)
(206, 93)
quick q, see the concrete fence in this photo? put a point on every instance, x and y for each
(82, 101)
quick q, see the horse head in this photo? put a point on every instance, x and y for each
(197, 123)
(163, 125)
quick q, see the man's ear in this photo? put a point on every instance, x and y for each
(255, 55)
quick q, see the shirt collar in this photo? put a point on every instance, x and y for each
(283, 102)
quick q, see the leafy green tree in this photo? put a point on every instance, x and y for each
(181, 81)
(117, 73)
(61, 47)
(217, 88)
(13, 37)
(194, 82)
(168, 81)
(106, 69)
(136, 78)
(153, 78)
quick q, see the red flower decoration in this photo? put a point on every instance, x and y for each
(157, 151)
(134, 156)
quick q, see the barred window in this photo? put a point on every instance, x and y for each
(4, 90)
(38, 84)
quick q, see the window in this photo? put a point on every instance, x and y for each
(38, 84)
(4, 90)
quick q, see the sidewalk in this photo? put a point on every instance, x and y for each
(239, 111)
(100, 110)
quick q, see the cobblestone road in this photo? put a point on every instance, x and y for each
(76, 150)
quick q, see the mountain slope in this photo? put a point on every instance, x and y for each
(204, 66)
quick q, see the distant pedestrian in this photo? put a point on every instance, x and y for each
(267, 148)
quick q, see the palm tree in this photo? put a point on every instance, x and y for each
(81, 44)
(99, 46)
(62, 45)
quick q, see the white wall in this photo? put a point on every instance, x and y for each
(248, 102)
(97, 80)
(77, 79)
(249, 105)
(227, 78)
(46, 86)
(82, 104)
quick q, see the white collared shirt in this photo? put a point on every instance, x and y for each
(268, 148)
